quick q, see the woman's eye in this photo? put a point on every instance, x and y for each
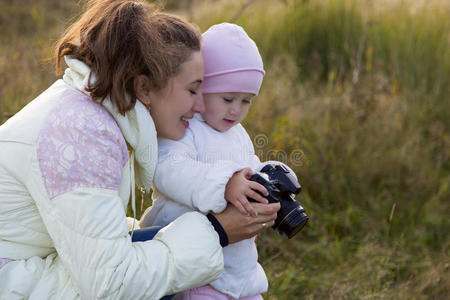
(228, 99)
(246, 101)
(193, 92)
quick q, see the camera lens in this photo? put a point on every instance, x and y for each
(291, 218)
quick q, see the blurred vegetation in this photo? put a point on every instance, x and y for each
(355, 100)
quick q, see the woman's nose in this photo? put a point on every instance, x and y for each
(199, 104)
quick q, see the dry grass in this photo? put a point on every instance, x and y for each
(356, 100)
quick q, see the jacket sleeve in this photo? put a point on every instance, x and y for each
(80, 169)
(90, 234)
(254, 161)
(183, 178)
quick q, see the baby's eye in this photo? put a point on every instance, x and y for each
(193, 92)
(228, 99)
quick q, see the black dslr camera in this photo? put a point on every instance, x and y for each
(283, 187)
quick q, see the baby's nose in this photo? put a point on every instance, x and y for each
(235, 109)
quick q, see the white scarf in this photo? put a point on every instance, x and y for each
(137, 127)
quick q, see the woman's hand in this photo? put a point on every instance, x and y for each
(240, 227)
(239, 187)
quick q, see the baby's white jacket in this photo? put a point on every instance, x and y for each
(191, 174)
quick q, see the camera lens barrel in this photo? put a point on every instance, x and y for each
(291, 218)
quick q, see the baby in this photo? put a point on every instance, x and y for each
(194, 173)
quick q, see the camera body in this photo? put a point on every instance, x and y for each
(282, 187)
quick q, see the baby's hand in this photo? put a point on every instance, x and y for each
(239, 187)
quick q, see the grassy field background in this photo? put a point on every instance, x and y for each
(356, 100)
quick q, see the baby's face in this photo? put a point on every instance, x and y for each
(224, 110)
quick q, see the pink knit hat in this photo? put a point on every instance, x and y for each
(232, 61)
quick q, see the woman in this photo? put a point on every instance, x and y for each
(66, 175)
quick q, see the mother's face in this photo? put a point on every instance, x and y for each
(173, 106)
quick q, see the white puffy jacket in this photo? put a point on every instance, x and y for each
(64, 187)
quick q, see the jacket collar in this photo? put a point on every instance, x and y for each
(137, 126)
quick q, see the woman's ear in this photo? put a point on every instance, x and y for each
(142, 88)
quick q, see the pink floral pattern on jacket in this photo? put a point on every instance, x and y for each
(80, 145)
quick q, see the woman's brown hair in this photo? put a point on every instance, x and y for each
(120, 39)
